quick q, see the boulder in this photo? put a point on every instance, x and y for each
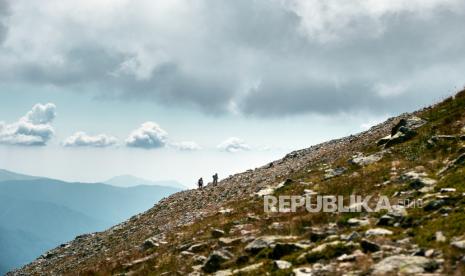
(216, 233)
(378, 232)
(330, 173)
(150, 243)
(361, 160)
(263, 242)
(283, 249)
(229, 241)
(198, 247)
(369, 246)
(215, 260)
(434, 205)
(402, 131)
(401, 264)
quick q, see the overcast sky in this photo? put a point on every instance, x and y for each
(182, 89)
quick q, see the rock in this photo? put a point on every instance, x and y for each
(198, 247)
(216, 233)
(352, 236)
(265, 191)
(247, 269)
(303, 271)
(448, 190)
(317, 235)
(437, 138)
(242, 271)
(283, 249)
(418, 180)
(308, 192)
(326, 251)
(361, 160)
(352, 257)
(243, 259)
(386, 220)
(282, 264)
(214, 261)
(434, 205)
(225, 211)
(187, 254)
(383, 140)
(401, 264)
(440, 237)
(402, 131)
(358, 222)
(229, 241)
(150, 243)
(369, 246)
(458, 161)
(198, 259)
(378, 232)
(264, 242)
(330, 173)
(458, 244)
(429, 253)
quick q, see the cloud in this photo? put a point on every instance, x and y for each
(186, 146)
(148, 136)
(261, 58)
(4, 12)
(233, 144)
(33, 129)
(81, 139)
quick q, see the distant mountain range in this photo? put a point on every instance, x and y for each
(131, 181)
(37, 214)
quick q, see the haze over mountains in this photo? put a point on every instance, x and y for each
(37, 214)
(131, 181)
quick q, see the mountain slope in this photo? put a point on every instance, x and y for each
(7, 176)
(224, 228)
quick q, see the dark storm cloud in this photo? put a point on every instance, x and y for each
(264, 58)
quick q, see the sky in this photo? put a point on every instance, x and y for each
(182, 89)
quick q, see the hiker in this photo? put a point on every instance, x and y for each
(200, 183)
(215, 179)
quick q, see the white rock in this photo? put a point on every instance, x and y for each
(448, 190)
(282, 264)
(401, 264)
(440, 237)
(358, 222)
(458, 244)
(378, 232)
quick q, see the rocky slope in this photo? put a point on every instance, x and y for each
(223, 230)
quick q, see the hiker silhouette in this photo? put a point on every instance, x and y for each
(215, 179)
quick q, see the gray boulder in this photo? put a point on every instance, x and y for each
(215, 260)
(401, 264)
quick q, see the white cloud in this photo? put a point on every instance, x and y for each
(233, 144)
(149, 135)
(81, 139)
(41, 114)
(33, 129)
(186, 146)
